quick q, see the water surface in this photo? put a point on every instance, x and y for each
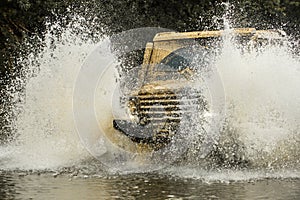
(141, 186)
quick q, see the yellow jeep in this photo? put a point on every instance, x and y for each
(166, 93)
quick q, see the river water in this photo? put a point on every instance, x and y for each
(141, 186)
(47, 159)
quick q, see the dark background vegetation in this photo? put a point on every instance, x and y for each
(26, 20)
(22, 18)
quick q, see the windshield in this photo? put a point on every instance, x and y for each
(188, 57)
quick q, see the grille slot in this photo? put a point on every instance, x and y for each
(159, 113)
(165, 107)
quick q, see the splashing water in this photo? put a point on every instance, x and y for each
(46, 137)
(262, 90)
(262, 102)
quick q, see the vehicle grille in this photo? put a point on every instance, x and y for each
(163, 111)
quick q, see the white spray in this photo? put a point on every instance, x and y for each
(262, 93)
(263, 100)
(45, 133)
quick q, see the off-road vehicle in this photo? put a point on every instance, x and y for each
(167, 92)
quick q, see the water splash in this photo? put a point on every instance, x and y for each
(45, 134)
(262, 90)
(263, 111)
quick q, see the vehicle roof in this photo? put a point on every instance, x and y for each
(272, 34)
